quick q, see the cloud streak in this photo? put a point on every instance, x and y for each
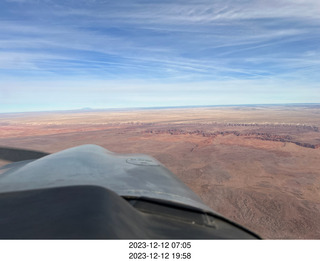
(172, 42)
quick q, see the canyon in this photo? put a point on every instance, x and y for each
(256, 165)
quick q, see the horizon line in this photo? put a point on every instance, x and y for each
(89, 109)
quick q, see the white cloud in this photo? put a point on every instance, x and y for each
(164, 45)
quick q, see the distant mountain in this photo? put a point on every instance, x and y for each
(86, 109)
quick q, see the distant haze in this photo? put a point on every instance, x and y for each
(65, 55)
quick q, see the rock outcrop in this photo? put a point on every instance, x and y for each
(252, 134)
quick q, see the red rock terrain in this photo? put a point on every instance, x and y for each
(259, 166)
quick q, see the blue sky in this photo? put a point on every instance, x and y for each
(57, 55)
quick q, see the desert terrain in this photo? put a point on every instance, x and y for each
(257, 165)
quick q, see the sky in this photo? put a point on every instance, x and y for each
(60, 55)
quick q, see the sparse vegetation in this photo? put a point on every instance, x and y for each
(258, 167)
